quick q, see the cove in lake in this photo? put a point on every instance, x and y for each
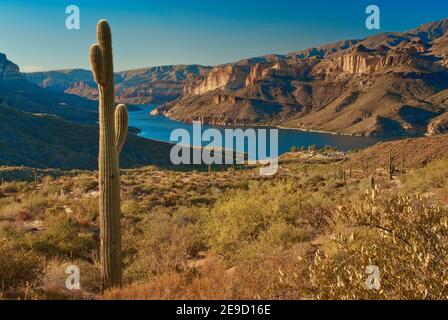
(160, 128)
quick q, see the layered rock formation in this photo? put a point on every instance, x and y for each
(386, 84)
(232, 77)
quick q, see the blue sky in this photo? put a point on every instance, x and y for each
(209, 32)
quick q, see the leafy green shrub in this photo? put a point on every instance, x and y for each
(266, 215)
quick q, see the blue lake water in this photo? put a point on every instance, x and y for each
(160, 128)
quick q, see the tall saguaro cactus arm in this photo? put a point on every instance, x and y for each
(121, 126)
(113, 123)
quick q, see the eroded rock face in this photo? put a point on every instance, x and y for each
(229, 76)
(256, 73)
(8, 70)
(82, 89)
(362, 61)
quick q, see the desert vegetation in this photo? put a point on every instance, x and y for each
(307, 233)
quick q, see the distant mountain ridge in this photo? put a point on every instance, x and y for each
(140, 86)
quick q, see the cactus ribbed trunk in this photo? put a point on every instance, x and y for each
(111, 140)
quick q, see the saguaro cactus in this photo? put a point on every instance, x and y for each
(390, 165)
(113, 123)
(373, 187)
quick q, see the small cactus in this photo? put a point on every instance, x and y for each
(113, 123)
(373, 187)
(390, 165)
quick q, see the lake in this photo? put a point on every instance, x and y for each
(160, 128)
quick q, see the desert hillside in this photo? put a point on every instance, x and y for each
(232, 234)
(48, 129)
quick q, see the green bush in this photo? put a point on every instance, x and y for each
(265, 215)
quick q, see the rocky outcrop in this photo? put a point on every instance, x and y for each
(230, 76)
(439, 125)
(8, 70)
(82, 89)
(256, 73)
(363, 61)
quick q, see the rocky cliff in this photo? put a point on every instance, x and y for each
(232, 77)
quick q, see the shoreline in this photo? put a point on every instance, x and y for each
(288, 128)
(376, 139)
(341, 134)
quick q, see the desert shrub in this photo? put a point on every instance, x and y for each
(85, 210)
(62, 237)
(212, 283)
(134, 211)
(162, 243)
(18, 267)
(276, 273)
(265, 215)
(36, 204)
(406, 237)
(433, 175)
(90, 275)
(13, 187)
(55, 277)
(86, 183)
